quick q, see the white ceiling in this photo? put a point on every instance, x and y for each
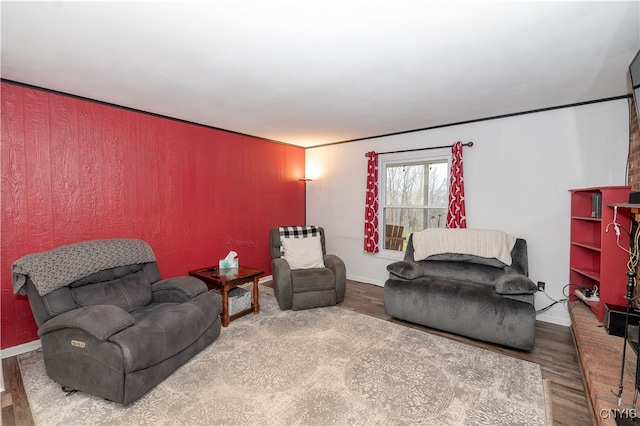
(310, 72)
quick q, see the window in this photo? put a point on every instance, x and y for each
(414, 196)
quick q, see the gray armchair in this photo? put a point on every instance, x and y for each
(109, 326)
(299, 289)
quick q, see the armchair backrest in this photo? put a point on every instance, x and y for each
(276, 244)
(128, 287)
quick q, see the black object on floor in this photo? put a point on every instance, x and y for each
(626, 419)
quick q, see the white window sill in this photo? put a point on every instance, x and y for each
(394, 255)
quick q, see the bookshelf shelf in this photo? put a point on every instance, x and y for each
(595, 260)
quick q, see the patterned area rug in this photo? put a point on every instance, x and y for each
(328, 366)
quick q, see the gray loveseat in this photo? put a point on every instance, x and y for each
(109, 326)
(467, 295)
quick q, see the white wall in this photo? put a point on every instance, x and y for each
(517, 177)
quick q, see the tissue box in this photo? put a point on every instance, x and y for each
(228, 264)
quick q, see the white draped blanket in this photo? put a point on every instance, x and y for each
(478, 242)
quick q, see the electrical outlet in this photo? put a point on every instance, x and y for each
(541, 285)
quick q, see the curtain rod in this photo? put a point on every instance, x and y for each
(469, 144)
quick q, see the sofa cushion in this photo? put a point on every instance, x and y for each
(462, 308)
(470, 258)
(55, 303)
(101, 321)
(515, 284)
(162, 330)
(457, 271)
(303, 253)
(128, 292)
(304, 280)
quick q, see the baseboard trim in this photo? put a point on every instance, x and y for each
(365, 280)
(16, 350)
(349, 277)
(554, 319)
(265, 279)
(21, 349)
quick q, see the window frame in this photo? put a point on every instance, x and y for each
(395, 159)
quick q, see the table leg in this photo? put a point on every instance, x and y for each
(225, 307)
(256, 299)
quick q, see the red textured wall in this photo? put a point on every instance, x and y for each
(74, 170)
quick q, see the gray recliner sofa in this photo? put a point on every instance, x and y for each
(466, 295)
(108, 324)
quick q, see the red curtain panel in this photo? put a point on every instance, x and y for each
(456, 214)
(371, 235)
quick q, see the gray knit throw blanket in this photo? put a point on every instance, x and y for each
(57, 268)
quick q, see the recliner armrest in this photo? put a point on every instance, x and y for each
(101, 321)
(405, 269)
(334, 263)
(512, 284)
(177, 289)
(339, 269)
(282, 285)
(281, 264)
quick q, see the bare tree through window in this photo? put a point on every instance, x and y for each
(416, 196)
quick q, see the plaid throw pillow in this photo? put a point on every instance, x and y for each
(297, 232)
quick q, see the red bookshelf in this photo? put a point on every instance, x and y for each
(595, 259)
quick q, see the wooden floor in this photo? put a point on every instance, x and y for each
(554, 352)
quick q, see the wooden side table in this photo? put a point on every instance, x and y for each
(226, 279)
